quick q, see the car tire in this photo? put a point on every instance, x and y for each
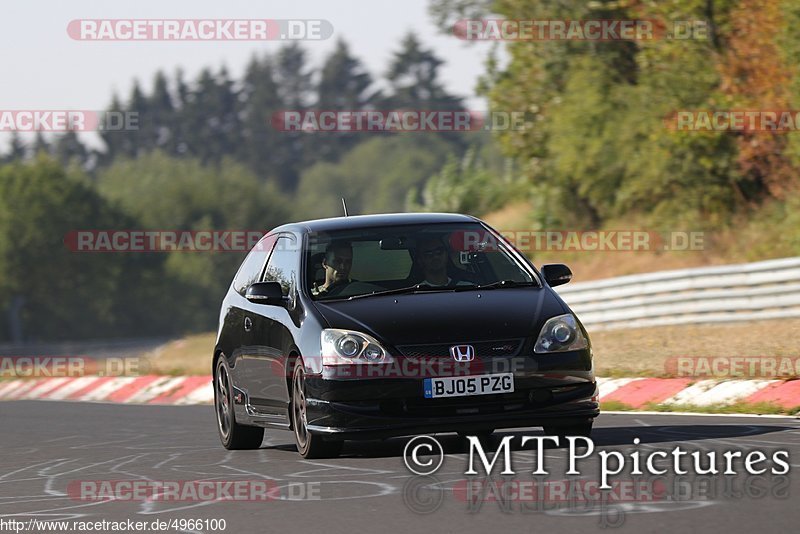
(582, 428)
(309, 445)
(233, 435)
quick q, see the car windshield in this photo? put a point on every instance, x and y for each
(361, 262)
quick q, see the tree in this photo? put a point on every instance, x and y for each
(79, 295)
(212, 128)
(595, 142)
(167, 193)
(68, 149)
(344, 85)
(293, 76)
(414, 79)
(374, 177)
(261, 143)
(41, 145)
(446, 13)
(16, 150)
(756, 75)
(160, 123)
(477, 183)
(117, 143)
(295, 88)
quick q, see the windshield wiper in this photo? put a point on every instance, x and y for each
(410, 289)
(427, 287)
(496, 285)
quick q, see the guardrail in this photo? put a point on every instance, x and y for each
(743, 292)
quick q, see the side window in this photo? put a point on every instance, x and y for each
(283, 264)
(253, 264)
(504, 268)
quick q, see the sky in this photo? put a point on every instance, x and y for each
(43, 68)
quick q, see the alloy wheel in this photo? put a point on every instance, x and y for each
(223, 400)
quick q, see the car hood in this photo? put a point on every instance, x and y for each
(444, 317)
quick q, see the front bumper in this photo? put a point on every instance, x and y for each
(561, 391)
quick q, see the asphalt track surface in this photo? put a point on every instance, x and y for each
(48, 446)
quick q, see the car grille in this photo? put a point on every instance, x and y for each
(483, 349)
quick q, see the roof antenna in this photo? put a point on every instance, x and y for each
(344, 206)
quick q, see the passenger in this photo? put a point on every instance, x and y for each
(433, 259)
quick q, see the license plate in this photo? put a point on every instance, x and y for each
(461, 386)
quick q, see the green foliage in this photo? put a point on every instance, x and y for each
(414, 78)
(374, 177)
(599, 144)
(446, 13)
(789, 43)
(205, 156)
(479, 182)
(344, 85)
(760, 408)
(83, 294)
(216, 117)
(16, 151)
(164, 193)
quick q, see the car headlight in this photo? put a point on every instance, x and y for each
(560, 334)
(346, 347)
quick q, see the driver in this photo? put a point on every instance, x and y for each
(337, 264)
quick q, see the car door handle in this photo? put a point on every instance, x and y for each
(248, 324)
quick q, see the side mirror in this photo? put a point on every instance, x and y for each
(265, 293)
(556, 274)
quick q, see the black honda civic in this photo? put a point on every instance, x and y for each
(374, 326)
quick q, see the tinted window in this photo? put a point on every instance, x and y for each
(283, 264)
(385, 258)
(371, 263)
(253, 265)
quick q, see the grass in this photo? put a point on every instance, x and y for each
(760, 408)
(187, 356)
(741, 241)
(646, 351)
(589, 265)
(616, 406)
(640, 352)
